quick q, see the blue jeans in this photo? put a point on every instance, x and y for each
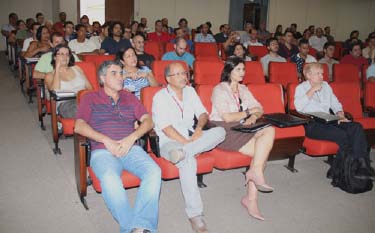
(108, 169)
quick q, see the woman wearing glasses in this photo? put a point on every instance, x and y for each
(135, 77)
(66, 77)
(233, 103)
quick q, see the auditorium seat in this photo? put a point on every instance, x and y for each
(258, 51)
(207, 72)
(158, 68)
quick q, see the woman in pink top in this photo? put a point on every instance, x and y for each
(232, 102)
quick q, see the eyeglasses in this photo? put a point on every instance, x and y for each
(184, 73)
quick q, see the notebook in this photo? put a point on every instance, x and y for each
(324, 117)
(283, 120)
(258, 125)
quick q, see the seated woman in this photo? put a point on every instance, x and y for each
(232, 103)
(241, 52)
(135, 77)
(66, 77)
(41, 45)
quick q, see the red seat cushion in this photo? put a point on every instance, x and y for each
(290, 132)
(367, 123)
(68, 125)
(229, 159)
(128, 179)
(319, 147)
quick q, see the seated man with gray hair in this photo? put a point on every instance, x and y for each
(107, 118)
(173, 110)
(180, 53)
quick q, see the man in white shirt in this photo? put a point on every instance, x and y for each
(317, 41)
(253, 41)
(27, 41)
(173, 111)
(82, 44)
(204, 36)
(272, 56)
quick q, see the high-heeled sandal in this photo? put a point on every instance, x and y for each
(245, 204)
(264, 188)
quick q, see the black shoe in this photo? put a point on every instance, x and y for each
(365, 174)
(330, 173)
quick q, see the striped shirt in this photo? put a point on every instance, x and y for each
(135, 85)
(115, 120)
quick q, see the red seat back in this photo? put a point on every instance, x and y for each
(207, 72)
(370, 94)
(364, 72)
(158, 68)
(169, 47)
(283, 73)
(205, 93)
(259, 51)
(312, 51)
(89, 70)
(273, 101)
(97, 59)
(154, 48)
(345, 73)
(254, 73)
(204, 50)
(147, 95)
(349, 95)
(291, 90)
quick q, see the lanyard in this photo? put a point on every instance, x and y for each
(178, 103)
(236, 97)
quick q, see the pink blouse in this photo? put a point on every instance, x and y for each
(223, 100)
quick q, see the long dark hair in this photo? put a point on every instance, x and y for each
(56, 50)
(112, 25)
(229, 65)
(120, 56)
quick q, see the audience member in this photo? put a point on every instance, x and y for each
(49, 25)
(69, 33)
(158, 35)
(240, 51)
(278, 32)
(114, 42)
(272, 56)
(180, 53)
(329, 51)
(22, 31)
(40, 18)
(134, 28)
(82, 45)
(179, 32)
(27, 41)
(232, 104)
(355, 57)
(96, 29)
(113, 151)
(164, 21)
(222, 36)
(327, 34)
(66, 76)
(296, 34)
(233, 39)
(288, 49)
(253, 41)
(306, 34)
(204, 36)
(369, 51)
(183, 24)
(136, 77)
(42, 45)
(127, 33)
(302, 56)
(99, 38)
(144, 59)
(246, 35)
(173, 111)
(6, 29)
(144, 23)
(311, 29)
(353, 39)
(315, 95)
(263, 34)
(59, 25)
(370, 73)
(317, 41)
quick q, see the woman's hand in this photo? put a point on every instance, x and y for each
(251, 120)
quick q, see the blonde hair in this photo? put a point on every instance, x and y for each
(309, 66)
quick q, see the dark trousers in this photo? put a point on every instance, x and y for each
(348, 135)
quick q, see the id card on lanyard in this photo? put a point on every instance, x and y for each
(180, 107)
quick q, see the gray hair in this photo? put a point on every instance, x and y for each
(102, 71)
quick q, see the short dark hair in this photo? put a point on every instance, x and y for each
(79, 26)
(327, 44)
(287, 31)
(157, 21)
(34, 24)
(221, 27)
(95, 22)
(120, 55)
(268, 41)
(293, 24)
(351, 34)
(352, 45)
(38, 14)
(54, 34)
(39, 32)
(56, 50)
(182, 19)
(112, 25)
(12, 15)
(229, 65)
(303, 41)
(178, 39)
(68, 22)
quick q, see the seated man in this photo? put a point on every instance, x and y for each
(369, 51)
(315, 95)
(370, 74)
(82, 45)
(302, 57)
(355, 57)
(27, 41)
(173, 110)
(114, 42)
(223, 35)
(113, 151)
(144, 59)
(317, 41)
(287, 48)
(253, 40)
(329, 51)
(180, 53)
(158, 35)
(273, 47)
(204, 36)
(179, 32)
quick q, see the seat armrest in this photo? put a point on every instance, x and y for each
(154, 143)
(81, 161)
(60, 96)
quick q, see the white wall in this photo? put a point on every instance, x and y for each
(343, 16)
(70, 8)
(195, 11)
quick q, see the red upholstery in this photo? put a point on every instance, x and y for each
(259, 51)
(222, 51)
(204, 50)
(97, 59)
(349, 96)
(128, 180)
(338, 50)
(313, 147)
(370, 94)
(158, 68)
(169, 47)
(345, 73)
(207, 72)
(254, 73)
(205, 93)
(154, 48)
(205, 162)
(283, 73)
(364, 72)
(312, 51)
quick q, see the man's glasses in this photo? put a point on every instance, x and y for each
(184, 73)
